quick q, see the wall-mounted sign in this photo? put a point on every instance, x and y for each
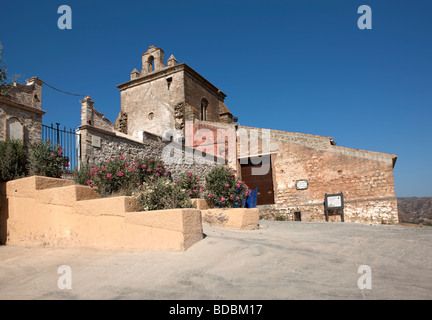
(301, 184)
(96, 141)
(15, 129)
(334, 202)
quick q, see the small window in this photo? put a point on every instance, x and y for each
(169, 80)
(150, 116)
(204, 104)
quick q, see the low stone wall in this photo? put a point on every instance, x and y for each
(372, 211)
(54, 212)
(113, 143)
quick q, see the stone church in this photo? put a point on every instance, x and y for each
(160, 100)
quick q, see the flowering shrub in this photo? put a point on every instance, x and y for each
(191, 184)
(46, 159)
(162, 194)
(224, 189)
(119, 174)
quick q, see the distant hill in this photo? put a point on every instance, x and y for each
(415, 210)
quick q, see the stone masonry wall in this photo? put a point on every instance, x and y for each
(32, 122)
(115, 143)
(195, 92)
(149, 104)
(364, 177)
(23, 104)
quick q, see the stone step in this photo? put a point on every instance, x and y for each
(27, 187)
(111, 206)
(66, 196)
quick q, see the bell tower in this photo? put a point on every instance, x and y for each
(152, 60)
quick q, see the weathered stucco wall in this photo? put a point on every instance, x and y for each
(54, 212)
(232, 218)
(149, 104)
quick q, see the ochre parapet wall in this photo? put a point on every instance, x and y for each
(39, 211)
(232, 218)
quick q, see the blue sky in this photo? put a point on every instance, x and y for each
(294, 65)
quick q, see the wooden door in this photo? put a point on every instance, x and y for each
(264, 183)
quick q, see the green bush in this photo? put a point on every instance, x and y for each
(224, 189)
(13, 160)
(162, 194)
(191, 184)
(82, 175)
(46, 159)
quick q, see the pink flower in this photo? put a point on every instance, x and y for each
(166, 173)
(238, 185)
(143, 166)
(227, 185)
(120, 174)
(60, 151)
(222, 199)
(109, 175)
(149, 170)
(52, 155)
(209, 195)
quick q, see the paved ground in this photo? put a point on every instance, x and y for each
(281, 260)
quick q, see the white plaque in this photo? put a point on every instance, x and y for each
(301, 184)
(334, 202)
(14, 129)
(96, 141)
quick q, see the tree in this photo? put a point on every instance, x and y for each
(3, 70)
(5, 85)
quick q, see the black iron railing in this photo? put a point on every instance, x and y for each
(69, 140)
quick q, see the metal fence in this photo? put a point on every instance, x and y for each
(69, 140)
